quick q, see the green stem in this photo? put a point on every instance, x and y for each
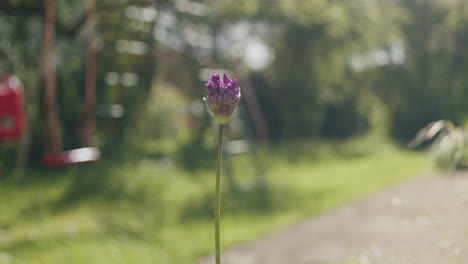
(218, 195)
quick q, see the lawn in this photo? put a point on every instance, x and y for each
(149, 210)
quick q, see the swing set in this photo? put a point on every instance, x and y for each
(54, 155)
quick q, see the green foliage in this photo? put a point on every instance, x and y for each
(315, 91)
(21, 25)
(311, 77)
(311, 88)
(431, 85)
(166, 115)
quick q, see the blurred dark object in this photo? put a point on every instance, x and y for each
(449, 144)
(430, 132)
(12, 117)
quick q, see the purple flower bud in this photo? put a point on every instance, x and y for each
(226, 80)
(222, 97)
(215, 79)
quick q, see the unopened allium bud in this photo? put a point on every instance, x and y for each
(222, 97)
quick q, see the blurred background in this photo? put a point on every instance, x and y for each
(107, 151)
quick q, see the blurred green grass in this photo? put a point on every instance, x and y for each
(143, 210)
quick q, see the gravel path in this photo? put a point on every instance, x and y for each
(424, 221)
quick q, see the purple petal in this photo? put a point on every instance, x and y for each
(229, 93)
(222, 91)
(215, 79)
(234, 83)
(209, 86)
(226, 80)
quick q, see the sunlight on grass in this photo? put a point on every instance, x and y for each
(152, 212)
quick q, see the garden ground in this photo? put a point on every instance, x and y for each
(420, 221)
(142, 208)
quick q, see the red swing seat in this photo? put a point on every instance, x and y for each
(12, 117)
(70, 157)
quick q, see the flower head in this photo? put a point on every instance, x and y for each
(222, 97)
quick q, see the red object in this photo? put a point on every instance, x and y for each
(12, 117)
(76, 156)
